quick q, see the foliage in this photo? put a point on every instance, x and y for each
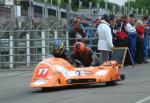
(110, 7)
(85, 3)
(140, 4)
(74, 3)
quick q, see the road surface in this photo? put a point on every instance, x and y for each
(14, 88)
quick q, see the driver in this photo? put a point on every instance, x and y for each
(59, 50)
(84, 54)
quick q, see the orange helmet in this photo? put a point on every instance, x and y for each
(79, 47)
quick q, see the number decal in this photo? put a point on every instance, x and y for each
(42, 72)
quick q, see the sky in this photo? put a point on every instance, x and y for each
(120, 2)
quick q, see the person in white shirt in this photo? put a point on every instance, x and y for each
(105, 42)
(132, 36)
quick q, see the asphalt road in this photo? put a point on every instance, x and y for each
(14, 88)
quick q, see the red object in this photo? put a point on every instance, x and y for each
(79, 47)
(140, 31)
(41, 71)
(121, 35)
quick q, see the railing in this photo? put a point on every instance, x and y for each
(26, 48)
(19, 48)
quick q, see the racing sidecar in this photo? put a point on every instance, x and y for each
(57, 72)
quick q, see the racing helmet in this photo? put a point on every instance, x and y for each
(79, 47)
(58, 46)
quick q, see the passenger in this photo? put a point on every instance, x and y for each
(84, 54)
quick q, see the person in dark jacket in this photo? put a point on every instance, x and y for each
(140, 41)
(113, 26)
(146, 37)
(121, 32)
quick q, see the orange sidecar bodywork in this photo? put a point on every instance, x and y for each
(57, 72)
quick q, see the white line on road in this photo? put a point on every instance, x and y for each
(26, 74)
(143, 100)
(14, 74)
(8, 74)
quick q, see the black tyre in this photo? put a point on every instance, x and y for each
(111, 83)
(122, 76)
(45, 89)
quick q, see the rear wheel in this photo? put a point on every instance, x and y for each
(46, 89)
(111, 83)
(122, 76)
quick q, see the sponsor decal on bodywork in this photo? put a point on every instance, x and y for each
(39, 82)
(65, 71)
(101, 73)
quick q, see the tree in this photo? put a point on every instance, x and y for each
(110, 7)
(85, 3)
(140, 4)
(74, 3)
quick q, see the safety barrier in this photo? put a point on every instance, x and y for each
(28, 47)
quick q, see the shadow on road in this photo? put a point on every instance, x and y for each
(56, 89)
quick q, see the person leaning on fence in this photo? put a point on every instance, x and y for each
(140, 41)
(84, 55)
(76, 31)
(105, 42)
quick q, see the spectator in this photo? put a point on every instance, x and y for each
(105, 43)
(96, 22)
(121, 33)
(76, 31)
(148, 24)
(132, 35)
(140, 41)
(146, 38)
(132, 19)
(112, 22)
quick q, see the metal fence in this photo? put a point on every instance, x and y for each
(19, 48)
(28, 47)
(26, 34)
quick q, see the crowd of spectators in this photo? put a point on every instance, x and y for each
(109, 31)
